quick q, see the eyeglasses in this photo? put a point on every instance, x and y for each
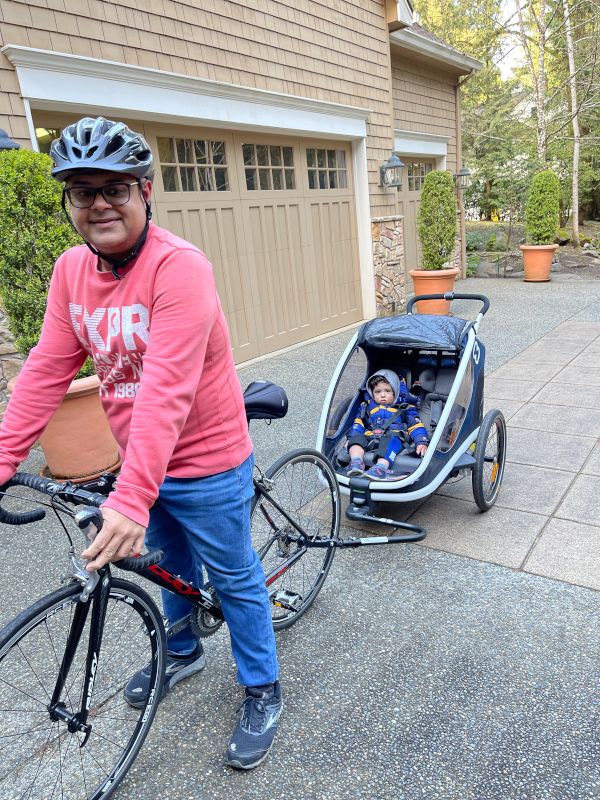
(115, 194)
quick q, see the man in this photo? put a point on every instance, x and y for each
(143, 304)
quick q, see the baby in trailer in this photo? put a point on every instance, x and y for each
(384, 420)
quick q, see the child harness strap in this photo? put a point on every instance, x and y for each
(387, 423)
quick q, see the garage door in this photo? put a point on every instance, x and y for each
(408, 205)
(275, 215)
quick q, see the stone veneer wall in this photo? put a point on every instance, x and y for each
(10, 361)
(388, 262)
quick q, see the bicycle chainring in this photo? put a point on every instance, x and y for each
(204, 624)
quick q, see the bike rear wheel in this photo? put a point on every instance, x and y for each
(39, 757)
(305, 487)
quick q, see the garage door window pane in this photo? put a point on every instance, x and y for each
(221, 182)
(218, 152)
(264, 177)
(417, 170)
(205, 180)
(166, 150)
(251, 182)
(262, 155)
(170, 182)
(268, 174)
(188, 179)
(191, 165)
(277, 179)
(331, 172)
(201, 155)
(185, 153)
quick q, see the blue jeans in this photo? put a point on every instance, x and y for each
(206, 521)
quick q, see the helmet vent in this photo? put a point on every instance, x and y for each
(91, 151)
(77, 151)
(114, 145)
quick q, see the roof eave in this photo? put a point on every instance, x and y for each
(416, 43)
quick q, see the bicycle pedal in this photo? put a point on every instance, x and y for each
(290, 601)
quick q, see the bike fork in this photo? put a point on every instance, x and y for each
(97, 603)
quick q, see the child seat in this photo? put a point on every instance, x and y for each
(403, 462)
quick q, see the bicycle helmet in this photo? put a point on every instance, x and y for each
(101, 144)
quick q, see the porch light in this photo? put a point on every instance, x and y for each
(463, 178)
(390, 173)
(6, 143)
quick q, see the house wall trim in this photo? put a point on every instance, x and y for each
(417, 43)
(411, 143)
(61, 81)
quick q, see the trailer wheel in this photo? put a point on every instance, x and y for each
(490, 455)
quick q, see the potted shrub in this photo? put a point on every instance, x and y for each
(541, 226)
(436, 225)
(33, 233)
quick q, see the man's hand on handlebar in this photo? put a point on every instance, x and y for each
(119, 537)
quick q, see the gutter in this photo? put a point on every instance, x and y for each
(409, 39)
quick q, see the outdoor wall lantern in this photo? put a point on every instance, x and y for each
(6, 143)
(463, 178)
(390, 173)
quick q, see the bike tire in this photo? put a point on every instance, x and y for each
(39, 757)
(305, 486)
(490, 458)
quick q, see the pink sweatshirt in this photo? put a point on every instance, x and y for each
(160, 344)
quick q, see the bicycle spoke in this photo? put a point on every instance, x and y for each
(43, 760)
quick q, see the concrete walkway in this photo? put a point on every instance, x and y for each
(465, 668)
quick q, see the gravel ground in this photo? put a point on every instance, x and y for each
(417, 674)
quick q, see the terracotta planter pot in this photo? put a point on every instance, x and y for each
(78, 443)
(434, 281)
(537, 260)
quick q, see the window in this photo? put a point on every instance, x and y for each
(45, 137)
(326, 169)
(417, 170)
(193, 165)
(268, 166)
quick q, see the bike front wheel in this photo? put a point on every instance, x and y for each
(39, 756)
(304, 486)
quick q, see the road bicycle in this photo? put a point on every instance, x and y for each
(66, 730)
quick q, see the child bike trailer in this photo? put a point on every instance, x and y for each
(442, 360)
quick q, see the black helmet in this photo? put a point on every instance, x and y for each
(101, 144)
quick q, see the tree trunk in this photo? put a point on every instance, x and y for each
(576, 129)
(537, 71)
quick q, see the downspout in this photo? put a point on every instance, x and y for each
(461, 208)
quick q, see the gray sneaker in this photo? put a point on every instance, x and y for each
(254, 734)
(178, 668)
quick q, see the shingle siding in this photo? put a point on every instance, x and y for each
(424, 101)
(336, 51)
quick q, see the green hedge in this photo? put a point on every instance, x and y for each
(33, 233)
(542, 209)
(436, 222)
